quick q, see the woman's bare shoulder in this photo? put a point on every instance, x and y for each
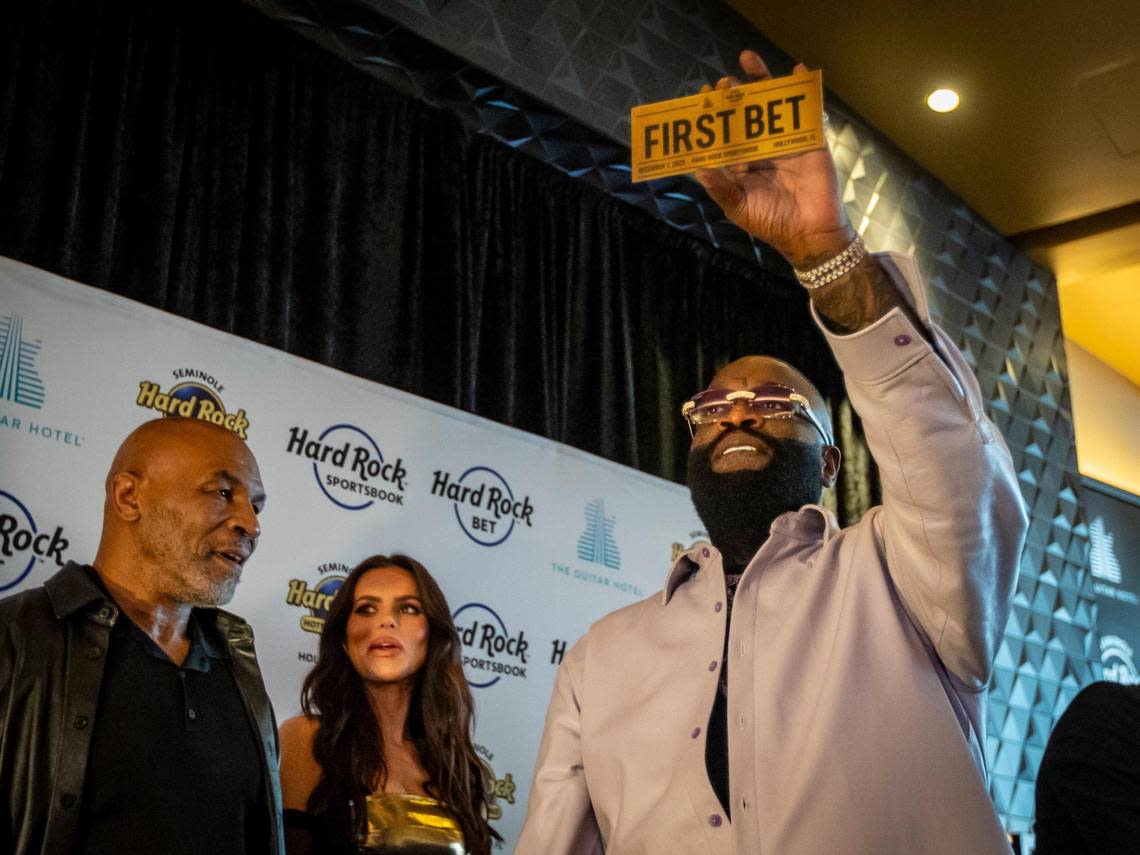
(300, 728)
(300, 771)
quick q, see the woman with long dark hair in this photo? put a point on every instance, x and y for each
(381, 761)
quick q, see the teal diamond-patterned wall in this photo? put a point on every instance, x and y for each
(1003, 312)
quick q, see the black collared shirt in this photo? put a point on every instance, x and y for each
(174, 764)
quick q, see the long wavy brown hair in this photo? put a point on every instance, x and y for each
(347, 743)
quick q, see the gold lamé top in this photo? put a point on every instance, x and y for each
(406, 824)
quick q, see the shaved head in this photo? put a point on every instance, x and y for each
(157, 443)
(180, 515)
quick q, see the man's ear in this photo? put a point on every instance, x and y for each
(124, 496)
(829, 465)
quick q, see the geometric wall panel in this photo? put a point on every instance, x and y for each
(555, 79)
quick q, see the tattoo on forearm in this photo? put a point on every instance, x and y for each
(860, 298)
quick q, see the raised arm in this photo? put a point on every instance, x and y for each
(792, 204)
(952, 522)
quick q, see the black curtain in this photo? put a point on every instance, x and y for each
(199, 158)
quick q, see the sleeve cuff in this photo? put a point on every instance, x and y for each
(892, 343)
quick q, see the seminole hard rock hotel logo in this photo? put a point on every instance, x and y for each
(504, 787)
(316, 598)
(195, 395)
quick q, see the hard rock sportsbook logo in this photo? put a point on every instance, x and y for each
(490, 651)
(195, 395)
(349, 466)
(317, 598)
(485, 505)
(23, 544)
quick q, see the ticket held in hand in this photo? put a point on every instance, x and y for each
(770, 118)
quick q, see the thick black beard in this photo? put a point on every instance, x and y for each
(738, 508)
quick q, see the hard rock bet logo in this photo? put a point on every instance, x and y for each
(349, 467)
(1116, 658)
(317, 599)
(23, 544)
(490, 651)
(484, 504)
(195, 395)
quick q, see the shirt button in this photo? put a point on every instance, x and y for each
(715, 820)
(712, 665)
(94, 652)
(696, 732)
(191, 714)
(744, 803)
(81, 721)
(705, 552)
(742, 721)
(718, 607)
(902, 339)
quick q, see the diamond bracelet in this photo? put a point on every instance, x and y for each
(833, 268)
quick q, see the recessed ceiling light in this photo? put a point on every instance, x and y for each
(942, 100)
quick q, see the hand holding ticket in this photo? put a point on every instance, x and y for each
(769, 118)
(789, 199)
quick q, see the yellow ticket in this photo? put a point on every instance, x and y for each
(770, 118)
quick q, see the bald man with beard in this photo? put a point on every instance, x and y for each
(798, 688)
(133, 717)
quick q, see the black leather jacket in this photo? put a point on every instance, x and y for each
(53, 642)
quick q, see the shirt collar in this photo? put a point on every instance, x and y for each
(686, 566)
(74, 587)
(204, 622)
(810, 524)
(79, 585)
(204, 645)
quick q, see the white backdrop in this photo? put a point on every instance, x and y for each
(544, 541)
